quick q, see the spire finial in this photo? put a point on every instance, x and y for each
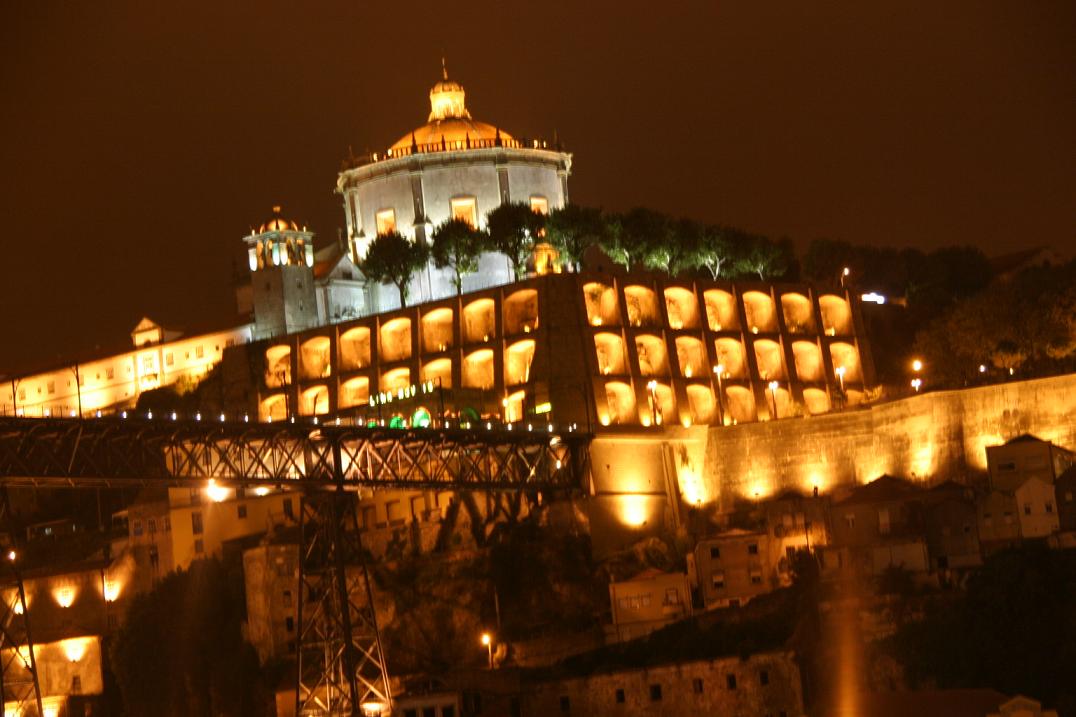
(444, 70)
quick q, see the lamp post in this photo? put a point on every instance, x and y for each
(917, 382)
(78, 388)
(719, 371)
(773, 386)
(844, 275)
(487, 640)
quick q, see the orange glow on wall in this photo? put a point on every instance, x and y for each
(64, 595)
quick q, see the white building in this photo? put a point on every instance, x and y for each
(451, 167)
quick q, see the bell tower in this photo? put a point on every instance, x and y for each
(281, 259)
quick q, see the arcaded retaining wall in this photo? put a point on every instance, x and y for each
(930, 437)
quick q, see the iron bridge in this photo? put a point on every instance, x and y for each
(116, 453)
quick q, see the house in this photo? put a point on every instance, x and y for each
(1021, 706)
(795, 522)
(878, 525)
(647, 602)
(765, 683)
(734, 567)
(998, 525)
(1065, 494)
(1026, 456)
(1037, 508)
(171, 527)
(951, 527)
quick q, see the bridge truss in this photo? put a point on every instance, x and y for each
(341, 665)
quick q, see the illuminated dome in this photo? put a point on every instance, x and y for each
(450, 121)
(278, 224)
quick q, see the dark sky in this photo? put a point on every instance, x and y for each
(141, 140)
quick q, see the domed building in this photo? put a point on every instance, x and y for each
(453, 166)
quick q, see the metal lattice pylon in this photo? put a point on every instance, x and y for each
(341, 666)
(19, 683)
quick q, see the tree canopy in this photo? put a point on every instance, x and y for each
(573, 229)
(1013, 630)
(180, 650)
(512, 229)
(457, 245)
(392, 259)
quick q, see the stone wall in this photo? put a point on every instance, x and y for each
(930, 437)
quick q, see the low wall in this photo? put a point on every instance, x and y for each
(930, 437)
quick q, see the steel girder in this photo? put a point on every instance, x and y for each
(341, 666)
(116, 452)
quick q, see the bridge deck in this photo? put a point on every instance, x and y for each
(118, 452)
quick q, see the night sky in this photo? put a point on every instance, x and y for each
(141, 140)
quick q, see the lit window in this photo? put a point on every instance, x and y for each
(199, 351)
(386, 221)
(52, 386)
(540, 205)
(464, 208)
(718, 580)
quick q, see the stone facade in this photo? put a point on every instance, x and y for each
(763, 684)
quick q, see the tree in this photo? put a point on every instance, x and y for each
(825, 259)
(512, 228)
(180, 650)
(1013, 630)
(392, 259)
(707, 247)
(758, 255)
(639, 237)
(457, 245)
(573, 229)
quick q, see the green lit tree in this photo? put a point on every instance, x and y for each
(639, 238)
(573, 229)
(512, 228)
(392, 259)
(457, 245)
(703, 247)
(759, 256)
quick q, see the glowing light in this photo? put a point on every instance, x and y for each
(633, 511)
(75, 647)
(486, 639)
(873, 298)
(604, 419)
(373, 709)
(686, 421)
(847, 271)
(216, 492)
(11, 555)
(112, 590)
(64, 595)
(982, 368)
(646, 421)
(261, 491)
(917, 383)
(917, 365)
(50, 706)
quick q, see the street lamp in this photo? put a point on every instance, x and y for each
(917, 383)
(844, 275)
(773, 394)
(719, 371)
(487, 640)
